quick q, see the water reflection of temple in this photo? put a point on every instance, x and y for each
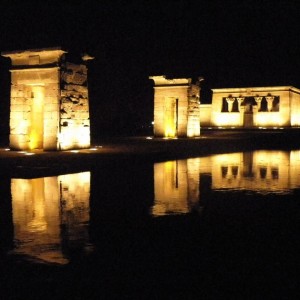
(50, 215)
(179, 185)
(176, 186)
(260, 171)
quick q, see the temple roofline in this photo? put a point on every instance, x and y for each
(35, 50)
(249, 90)
(164, 81)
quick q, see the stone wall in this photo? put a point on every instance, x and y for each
(205, 114)
(255, 107)
(24, 85)
(49, 101)
(74, 107)
(193, 122)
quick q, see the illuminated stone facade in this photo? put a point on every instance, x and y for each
(257, 107)
(176, 107)
(49, 106)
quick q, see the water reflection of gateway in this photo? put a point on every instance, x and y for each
(50, 215)
(178, 188)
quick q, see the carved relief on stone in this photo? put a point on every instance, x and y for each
(258, 100)
(72, 104)
(66, 109)
(249, 92)
(76, 74)
(270, 100)
(194, 91)
(230, 101)
(240, 100)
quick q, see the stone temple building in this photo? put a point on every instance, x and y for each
(254, 107)
(49, 104)
(178, 112)
(176, 107)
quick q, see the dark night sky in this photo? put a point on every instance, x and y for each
(229, 43)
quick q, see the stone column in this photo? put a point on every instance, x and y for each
(270, 102)
(242, 113)
(230, 101)
(254, 111)
(240, 101)
(258, 101)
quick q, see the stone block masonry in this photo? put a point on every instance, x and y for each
(49, 101)
(176, 107)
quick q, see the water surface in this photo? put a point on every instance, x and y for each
(208, 223)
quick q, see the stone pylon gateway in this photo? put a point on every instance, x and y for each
(49, 104)
(176, 107)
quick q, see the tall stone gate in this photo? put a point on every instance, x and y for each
(49, 107)
(176, 107)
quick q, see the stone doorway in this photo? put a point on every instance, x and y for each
(36, 130)
(248, 115)
(176, 107)
(171, 117)
(49, 100)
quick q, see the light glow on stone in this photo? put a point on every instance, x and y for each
(36, 130)
(49, 101)
(176, 107)
(254, 107)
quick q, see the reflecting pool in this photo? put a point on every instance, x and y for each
(50, 215)
(181, 186)
(190, 224)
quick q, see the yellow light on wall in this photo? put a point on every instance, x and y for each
(170, 117)
(227, 119)
(45, 96)
(36, 131)
(72, 138)
(83, 137)
(176, 107)
(269, 119)
(170, 131)
(66, 140)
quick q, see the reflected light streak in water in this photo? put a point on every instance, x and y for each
(49, 212)
(170, 188)
(176, 187)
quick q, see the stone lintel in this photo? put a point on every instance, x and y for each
(34, 56)
(164, 81)
(171, 86)
(34, 68)
(37, 51)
